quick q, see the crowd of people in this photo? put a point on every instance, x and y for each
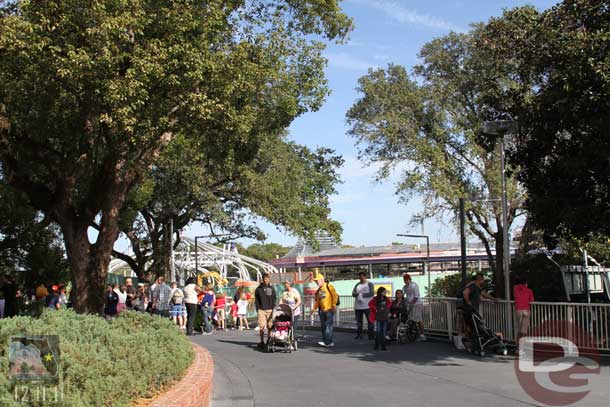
(218, 311)
(13, 301)
(382, 312)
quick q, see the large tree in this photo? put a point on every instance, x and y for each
(92, 91)
(430, 121)
(558, 62)
(285, 184)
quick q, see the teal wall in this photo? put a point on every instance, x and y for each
(345, 287)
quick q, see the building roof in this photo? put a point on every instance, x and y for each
(303, 255)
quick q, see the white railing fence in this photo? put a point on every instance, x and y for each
(440, 318)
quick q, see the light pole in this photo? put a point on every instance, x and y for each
(501, 128)
(463, 243)
(426, 266)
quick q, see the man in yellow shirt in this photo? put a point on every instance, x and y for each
(326, 305)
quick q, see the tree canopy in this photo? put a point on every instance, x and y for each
(91, 92)
(559, 63)
(429, 121)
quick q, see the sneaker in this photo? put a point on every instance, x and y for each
(387, 338)
(421, 338)
(321, 343)
(331, 345)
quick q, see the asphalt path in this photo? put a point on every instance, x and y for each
(351, 374)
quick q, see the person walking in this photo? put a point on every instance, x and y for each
(140, 300)
(122, 294)
(326, 305)
(207, 309)
(112, 299)
(413, 298)
(380, 307)
(291, 297)
(131, 293)
(177, 303)
(221, 311)
(264, 300)
(523, 296)
(363, 292)
(191, 290)
(242, 311)
(161, 296)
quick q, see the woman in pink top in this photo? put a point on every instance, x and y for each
(523, 298)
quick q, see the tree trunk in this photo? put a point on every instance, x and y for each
(499, 269)
(88, 267)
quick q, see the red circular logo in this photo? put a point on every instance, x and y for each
(556, 361)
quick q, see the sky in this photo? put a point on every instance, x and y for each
(386, 31)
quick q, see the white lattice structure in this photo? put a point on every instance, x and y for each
(225, 260)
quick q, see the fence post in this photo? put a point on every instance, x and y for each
(338, 317)
(449, 319)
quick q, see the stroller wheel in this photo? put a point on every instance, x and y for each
(296, 346)
(270, 348)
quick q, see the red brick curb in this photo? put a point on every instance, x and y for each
(195, 388)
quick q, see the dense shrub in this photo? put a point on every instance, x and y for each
(450, 285)
(104, 363)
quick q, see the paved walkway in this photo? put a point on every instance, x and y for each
(351, 374)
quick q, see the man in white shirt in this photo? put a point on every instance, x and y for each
(363, 292)
(413, 298)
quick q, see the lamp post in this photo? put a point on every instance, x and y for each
(426, 266)
(501, 128)
(463, 243)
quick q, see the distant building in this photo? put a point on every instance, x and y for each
(391, 260)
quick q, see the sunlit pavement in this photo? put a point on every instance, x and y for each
(352, 374)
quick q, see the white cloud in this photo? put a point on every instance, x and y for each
(398, 12)
(354, 168)
(343, 60)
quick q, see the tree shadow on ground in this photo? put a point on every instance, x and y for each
(430, 353)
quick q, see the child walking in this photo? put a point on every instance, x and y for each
(242, 311)
(221, 303)
(380, 307)
(233, 311)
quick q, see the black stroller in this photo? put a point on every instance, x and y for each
(481, 338)
(281, 334)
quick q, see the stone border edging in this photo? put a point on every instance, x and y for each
(195, 388)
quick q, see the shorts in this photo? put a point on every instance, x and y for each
(523, 321)
(176, 310)
(416, 312)
(264, 318)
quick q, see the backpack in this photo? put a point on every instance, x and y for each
(177, 298)
(338, 298)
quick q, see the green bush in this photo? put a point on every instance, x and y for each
(103, 363)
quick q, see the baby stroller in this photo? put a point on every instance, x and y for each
(407, 330)
(281, 333)
(481, 337)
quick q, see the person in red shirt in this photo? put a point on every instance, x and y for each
(380, 307)
(523, 298)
